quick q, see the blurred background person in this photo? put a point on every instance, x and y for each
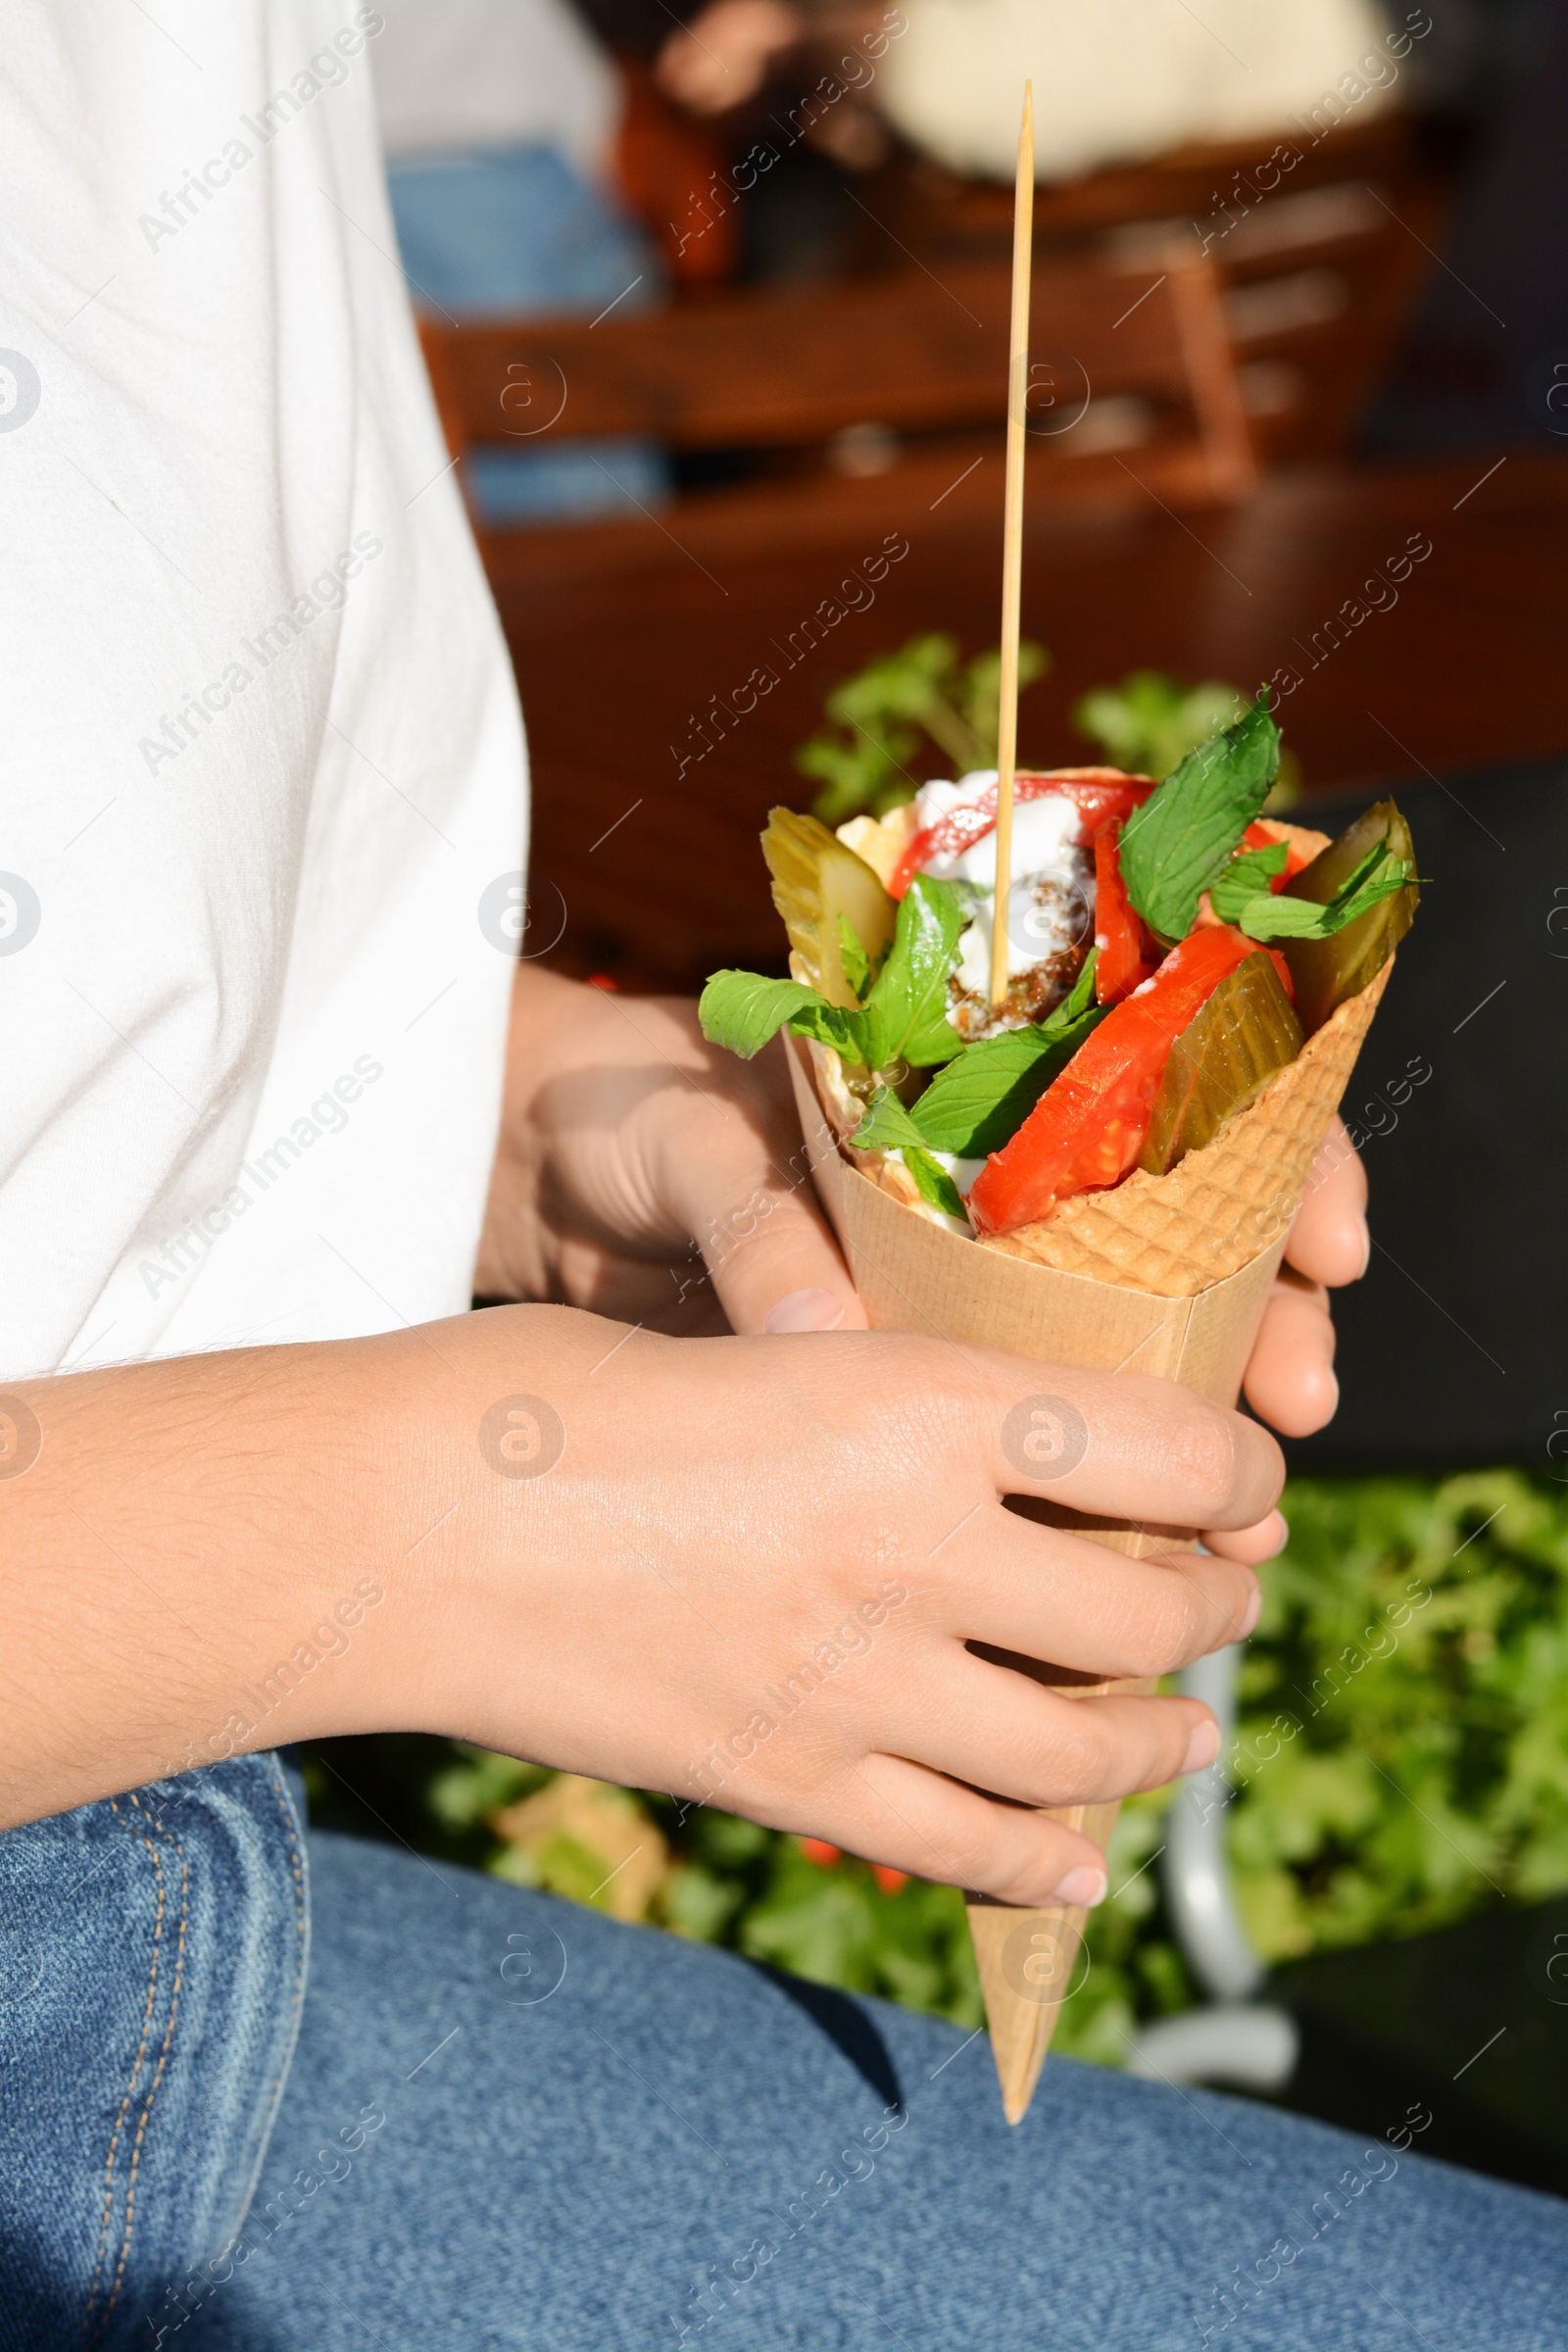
(1119, 83)
(499, 120)
(1114, 81)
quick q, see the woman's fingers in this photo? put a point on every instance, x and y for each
(919, 1820)
(777, 1269)
(1010, 1736)
(731, 1171)
(1290, 1376)
(1250, 1545)
(1048, 1594)
(1329, 1241)
(1121, 1445)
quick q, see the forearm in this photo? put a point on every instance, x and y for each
(747, 1567)
(221, 1554)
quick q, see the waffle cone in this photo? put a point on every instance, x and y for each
(1164, 1274)
(1175, 1235)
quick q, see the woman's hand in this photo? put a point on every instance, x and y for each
(743, 1570)
(1290, 1379)
(746, 1569)
(646, 1174)
(748, 1572)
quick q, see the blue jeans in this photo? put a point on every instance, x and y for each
(513, 232)
(510, 2123)
(151, 1975)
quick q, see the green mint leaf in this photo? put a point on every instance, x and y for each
(1364, 868)
(1175, 846)
(742, 1011)
(856, 968)
(980, 1100)
(1258, 913)
(906, 1012)
(845, 1032)
(1245, 875)
(852, 775)
(1378, 876)
(1149, 722)
(887, 1126)
(932, 1180)
(1356, 900)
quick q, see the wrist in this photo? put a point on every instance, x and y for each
(476, 1548)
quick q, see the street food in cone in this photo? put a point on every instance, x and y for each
(1173, 960)
(1098, 1163)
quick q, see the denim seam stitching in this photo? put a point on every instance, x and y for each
(135, 2072)
(280, 1789)
(163, 2060)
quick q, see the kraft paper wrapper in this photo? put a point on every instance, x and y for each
(1212, 1233)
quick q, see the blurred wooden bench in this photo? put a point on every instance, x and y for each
(861, 405)
(1321, 236)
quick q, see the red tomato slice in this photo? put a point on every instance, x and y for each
(1099, 794)
(1088, 1128)
(1127, 955)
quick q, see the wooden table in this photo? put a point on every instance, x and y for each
(657, 864)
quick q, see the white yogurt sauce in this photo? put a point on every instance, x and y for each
(1045, 842)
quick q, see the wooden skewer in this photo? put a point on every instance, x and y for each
(1023, 223)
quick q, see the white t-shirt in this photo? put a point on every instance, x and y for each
(263, 753)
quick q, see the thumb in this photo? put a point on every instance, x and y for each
(777, 1269)
(731, 1171)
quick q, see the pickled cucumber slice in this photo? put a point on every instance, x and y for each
(1222, 1060)
(1324, 972)
(815, 881)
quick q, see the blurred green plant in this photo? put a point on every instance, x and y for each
(880, 715)
(1404, 1745)
(1149, 722)
(901, 705)
(1402, 1761)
